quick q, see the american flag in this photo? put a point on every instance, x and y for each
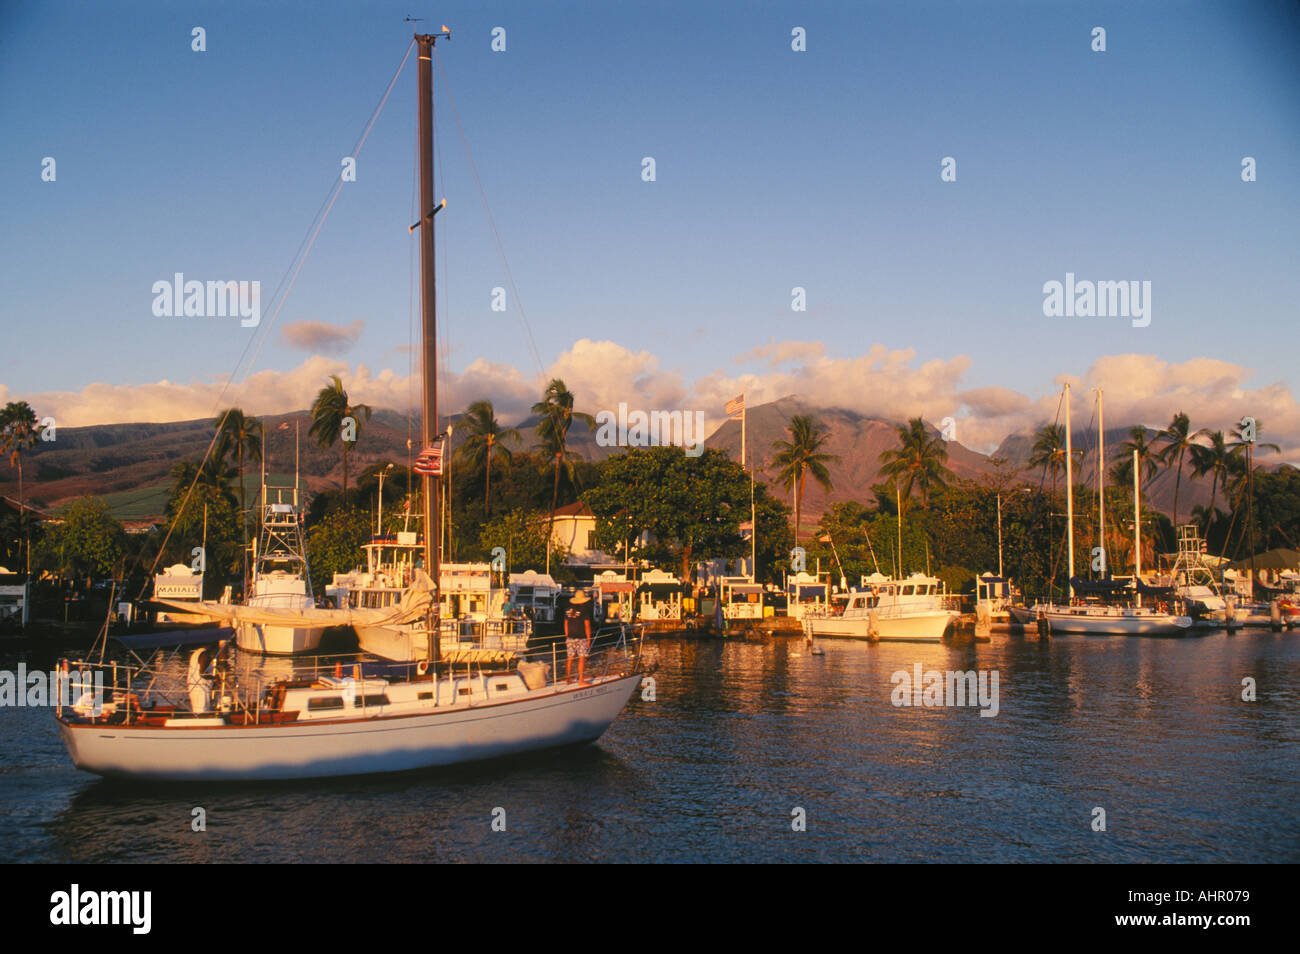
(429, 462)
(735, 406)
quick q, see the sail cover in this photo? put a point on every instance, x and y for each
(414, 604)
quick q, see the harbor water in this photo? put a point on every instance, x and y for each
(758, 751)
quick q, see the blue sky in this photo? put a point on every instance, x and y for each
(775, 169)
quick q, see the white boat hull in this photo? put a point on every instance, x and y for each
(401, 643)
(545, 718)
(272, 640)
(924, 627)
(1126, 623)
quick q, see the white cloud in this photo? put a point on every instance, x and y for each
(883, 382)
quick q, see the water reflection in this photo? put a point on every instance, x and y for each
(741, 734)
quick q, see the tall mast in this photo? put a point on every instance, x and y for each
(898, 502)
(1101, 486)
(1137, 527)
(753, 519)
(1069, 492)
(429, 358)
(999, 536)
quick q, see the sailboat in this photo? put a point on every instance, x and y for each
(1195, 582)
(436, 712)
(1114, 609)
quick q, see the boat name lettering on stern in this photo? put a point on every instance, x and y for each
(77, 907)
(933, 689)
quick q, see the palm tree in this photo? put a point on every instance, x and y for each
(1148, 462)
(485, 437)
(18, 432)
(328, 413)
(238, 432)
(1178, 439)
(1215, 461)
(1048, 451)
(1240, 444)
(801, 456)
(917, 463)
(556, 408)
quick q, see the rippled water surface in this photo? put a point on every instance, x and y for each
(741, 734)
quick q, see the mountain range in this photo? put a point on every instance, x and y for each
(130, 464)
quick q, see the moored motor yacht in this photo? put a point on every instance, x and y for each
(915, 608)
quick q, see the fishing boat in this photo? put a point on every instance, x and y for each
(471, 613)
(390, 562)
(1193, 581)
(917, 608)
(441, 710)
(280, 615)
(281, 582)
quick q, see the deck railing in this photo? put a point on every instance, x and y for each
(241, 689)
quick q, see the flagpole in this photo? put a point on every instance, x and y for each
(753, 519)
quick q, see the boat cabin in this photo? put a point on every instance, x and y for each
(535, 595)
(916, 592)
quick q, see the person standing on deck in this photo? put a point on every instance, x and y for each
(577, 636)
(197, 682)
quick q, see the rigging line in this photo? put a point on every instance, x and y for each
(304, 247)
(301, 258)
(1087, 448)
(514, 290)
